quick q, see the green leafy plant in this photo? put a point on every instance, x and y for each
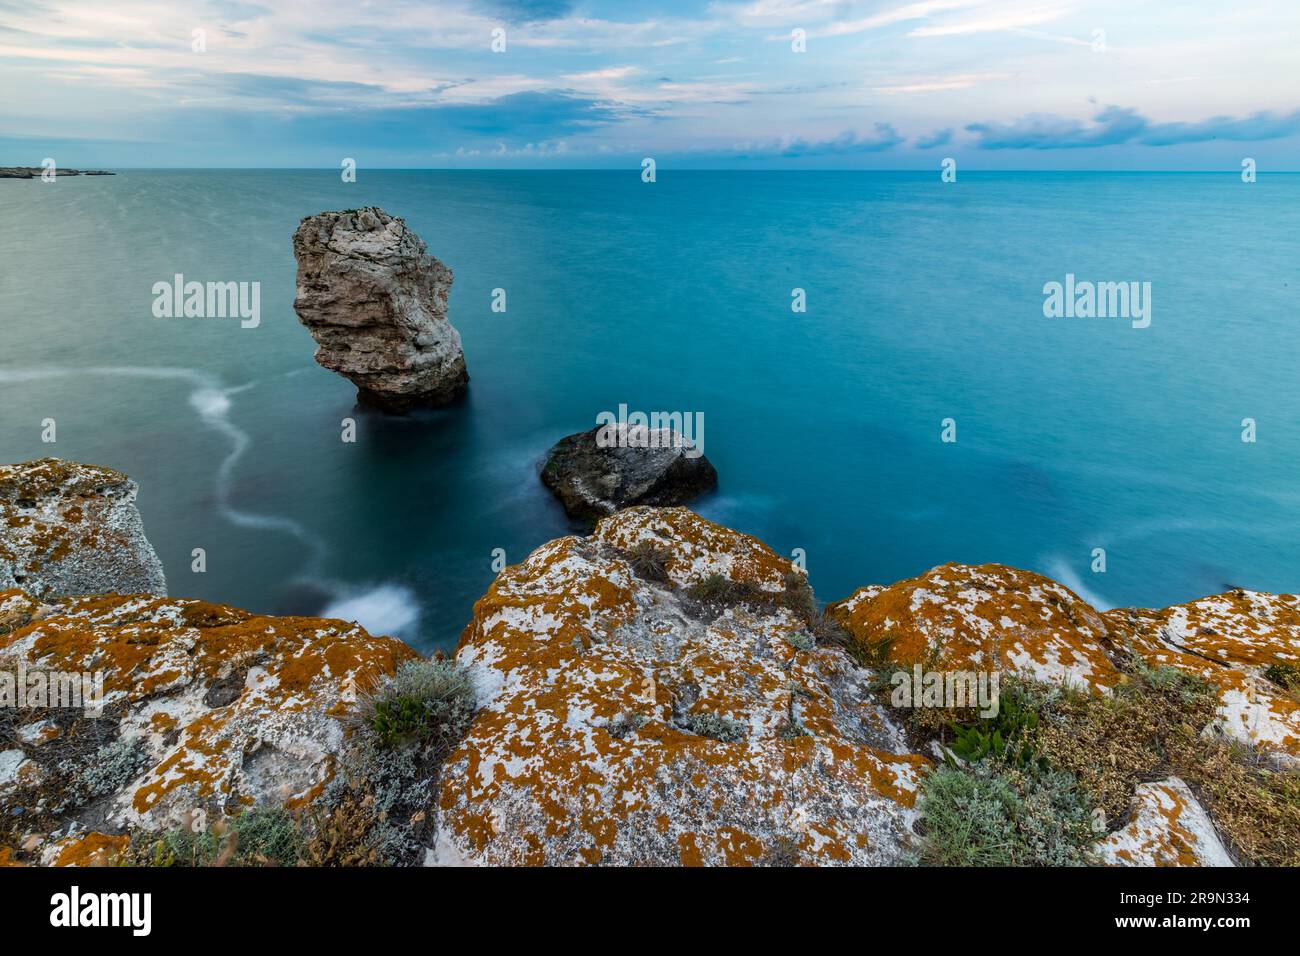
(425, 701)
(1006, 737)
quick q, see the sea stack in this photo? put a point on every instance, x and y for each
(376, 304)
(598, 472)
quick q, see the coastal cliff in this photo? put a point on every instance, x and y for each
(663, 691)
(67, 528)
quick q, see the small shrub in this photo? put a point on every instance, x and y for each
(798, 596)
(425, 701)
(261, 836)
(650, 561)
(720, 589)
(990, 814)
(716, 726)
(111, 768)
(1286, 676)
(799, 641)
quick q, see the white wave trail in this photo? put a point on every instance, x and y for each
(385, 609)
(211, 400)
(1060, 571)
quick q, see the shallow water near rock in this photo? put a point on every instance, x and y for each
(924, 302)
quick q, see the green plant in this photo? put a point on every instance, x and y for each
(721, 589)
(798, 596)
(261, 836)
(110, 768)
(424, 701)
(990, 814)
(800, 641)
(716, 726)
(1006, 737)
(1286, 676)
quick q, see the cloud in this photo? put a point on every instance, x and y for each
(1117, 125)
(847, 143)
(940, 137)
(1258, 126)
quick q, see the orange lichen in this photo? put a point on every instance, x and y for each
(627, 731)
(983, 618)
(90, 849)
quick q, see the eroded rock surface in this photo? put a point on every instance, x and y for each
(627, 720)
(68, 529)
(205, 709)
(1238, 641)
(984, 618)
(376, 304)
(598, 472)
(1169, 828)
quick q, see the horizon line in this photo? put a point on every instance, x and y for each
(660, 168)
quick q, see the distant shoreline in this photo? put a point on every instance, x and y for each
(35, 172)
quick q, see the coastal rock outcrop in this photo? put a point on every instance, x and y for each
(35, 172)
(376, 304)
(652, 694)
(1169, 828)
(184, 710)
(598, 472)
(1245, 643)
(984, 618)
(68, 528)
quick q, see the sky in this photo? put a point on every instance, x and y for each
(836, 84)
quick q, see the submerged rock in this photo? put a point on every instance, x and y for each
(596, 473)
(68, 528)
(376, 304)
(649, 696)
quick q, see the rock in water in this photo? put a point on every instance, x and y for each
(638, 466)
(376, 304)
(69, 529)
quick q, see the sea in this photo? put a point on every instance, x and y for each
(881, 386)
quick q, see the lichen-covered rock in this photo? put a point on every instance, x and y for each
(68, 528)
(628, 720)
(1169, 828)
(984, 618)
(203, 710)
(376, 304)
(1238, 641)
(594, 476)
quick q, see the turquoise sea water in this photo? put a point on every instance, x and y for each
(924, 303)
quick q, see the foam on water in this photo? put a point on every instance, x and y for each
(389, 609)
